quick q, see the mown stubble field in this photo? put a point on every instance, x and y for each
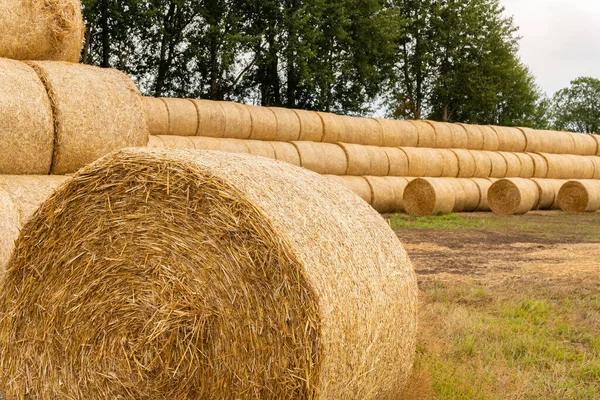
(510, 306)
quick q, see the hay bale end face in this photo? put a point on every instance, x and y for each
(513, 196)
(185, 275)
(41, 30)
(428, 196)
(580, 196)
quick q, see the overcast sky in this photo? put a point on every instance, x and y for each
(560, 39)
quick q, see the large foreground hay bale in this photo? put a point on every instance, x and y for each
(157, 115)
(20, 196)
(206, 275)
(211, 118)
(475, 138)
(398, 133)
(426, 134)
(585, 144)
(26, 122)
(513, 196)
(322, 158)
(580, 196)
(183, 117)
(311, 126)
(238, 123)
(264, 123)
(548, 193)
(288, 124)
(510, 139)
(356, 184)
(428, 196)
(41, 30)
(95, 110)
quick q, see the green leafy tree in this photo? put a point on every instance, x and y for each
(577, 107)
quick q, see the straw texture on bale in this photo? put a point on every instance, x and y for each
(334, 127)
(483, 186)
(156, 141)
(443, 135)
(398, 161)
(365, 131)
(513, 164)
(498, 162)
(260, 148)
(450, 166)
(428, 196)
(540, 165)
(41, 30)
(580, 196)
(206, 143)
(585, 144)
(26, 122)
(597, 139)
(157, 115)
(596, 162)
(475, 139)
(183, 117)
(548, 193)
(425, 133)
(264, 123)
(471, 194)
(323, 158)
(460, 137)
(383, 197)
(510, 139)
(527, 165)
(513, 196)
(356, 184)
(185, 275)
(238, 122)
(288, 124)
(483, 164)
(380, 164)
(399, 133)
(96, 111)
(466, 163)
(583, 167)
(359, 160)
(490, 138)
(286, 152)
(424, 162)
(211, 118)
(311, 126)
(10, 226)
(560, 166)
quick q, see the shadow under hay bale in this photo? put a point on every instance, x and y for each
(202, 274)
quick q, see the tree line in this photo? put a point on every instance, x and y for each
(448, 60)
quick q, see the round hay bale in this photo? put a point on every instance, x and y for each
(475, 139)
(286, 152)
(460, 137)
(534, 140)
(443, 135)
(540, 165)
(460, 200)
(564, 142)
(490, 138)
(597, 139)
(359, 160)
(156, 141)
(382, 194)
(513, 164)
(583, 167)
(483, 164)
(261, 148)
(322, 158)
(513, 196)
(399, 186)
(426, 134)
(429, 196)
(484, 186)
(527, 165)
(510, 139)
(172, 260)
(183, 117)
(211, 118)
(548, 193)
(466, 163)
(365, 131)
(380, 164)
(288, 124)
(26, 122)
(424, 162)
(356, 184)
(334, 127)
(264, 123)
(398, 161)
(157, 115)
(471, 194)
(585, 144)
(580, 196)
(499, 166)
(311, 126)
(41, 30)
(560, 166)
(596, 162)
(238, 122)
(449, 162)
(96, 111)
(398, 133)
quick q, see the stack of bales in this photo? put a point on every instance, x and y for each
(378, 158)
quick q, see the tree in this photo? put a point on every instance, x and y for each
(577, 107)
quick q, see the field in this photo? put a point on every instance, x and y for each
(510, 306)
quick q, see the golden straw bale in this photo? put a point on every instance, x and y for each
(423, 162)
(10, 226)
(286, 152)
(475, 138)
(471, 194)
(461, 138)
(450, 167)
(261, 148)
(483, 186)
(352, 130)
(548, 193)
(157, 115)
(334, 127)
(585, 144)
(183, 117)
(466, 163)
(429, 196)
(513, 164)
(365, 131)
(398, 161)
(560, 166)
(534, 140)
(398, 133)
(540, 166)
(238, 121)
(596, 162)
(387, 193)
(398, 185)
(156, 141)
(311, 126)
(513, 196)
(499, 166)
(460, 200)
(356, 184)
(483, 164)
(219, 144)
(597, 139)
(322, 158)
(443, 135)
(174, 142)
(380, 164)
(564, 142)
(96, 111)
(359, 160)
(41, 30)
(26, 122)
(211, 118)
(490, 138)
(580, 196)
(583, 167)
(264, 123)
(426, 134)
(153, 265)
(510, 139)
(288, 124)
(527, 165)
